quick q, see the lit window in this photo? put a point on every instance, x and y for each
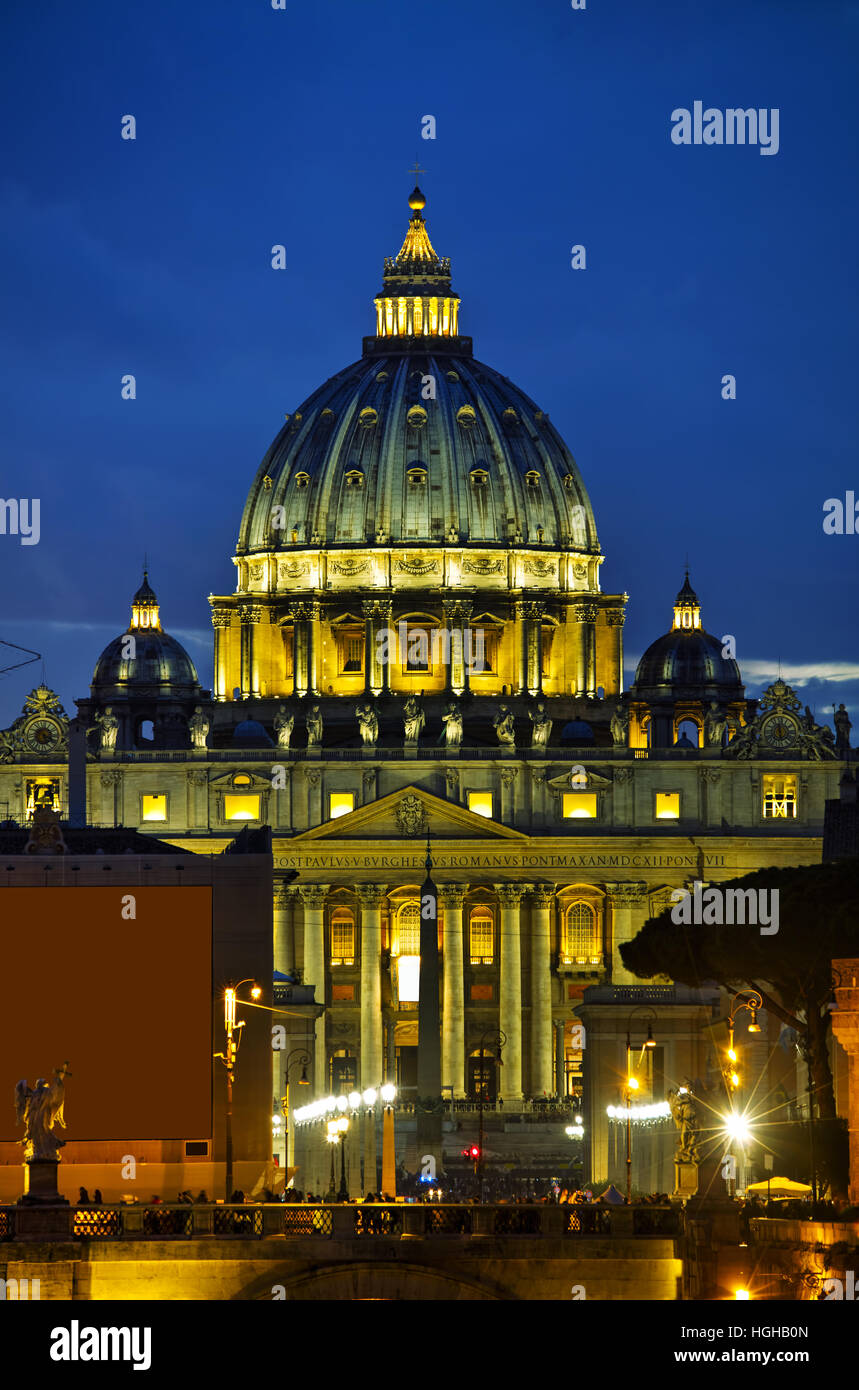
(579, 944)
(480, 803)
(340, 804)
(580, 805)
(667, 805)
(241, 779)
(241, 807)
(408, 979)
(418, 640)
(481, 937)
(153, 806)
(779, 795)
(342, 937)
(407, 931)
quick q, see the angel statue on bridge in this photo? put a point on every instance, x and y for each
(40, 1109)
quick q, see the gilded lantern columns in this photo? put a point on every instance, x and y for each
(452, 897)
(371, 896)
(542, 904)
(313, 896)
(510, 988)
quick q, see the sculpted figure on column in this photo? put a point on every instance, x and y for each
(503, 726)
(107, 727)
(283, 725)
(368, 723)
(313, 724)
(451, 734)
(414, 720)
(541, 726)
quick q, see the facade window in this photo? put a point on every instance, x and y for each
(43, 791)
(548, 637)
(580, 805)
(420, 641)
(241, 807)
(481, 937)
(407, 931)
(344, 1073)
(779, 798)
(153, 806)
(350, 650)
(480, 803)
(579, 944)
(667, 806)
(340, 804)
(342, 937)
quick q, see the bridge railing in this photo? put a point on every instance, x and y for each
(345, 1221)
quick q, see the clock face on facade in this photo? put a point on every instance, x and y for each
(42, 735)
(779, 731)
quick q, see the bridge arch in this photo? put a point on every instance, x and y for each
(371, 1279)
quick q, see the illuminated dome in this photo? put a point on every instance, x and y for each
(687, 661)
(417, 442)
(159, 663)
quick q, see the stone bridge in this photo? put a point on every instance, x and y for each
(305, 1253)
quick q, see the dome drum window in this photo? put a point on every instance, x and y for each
(417, 476)
(479, 477)
(416, 417)
(368, 418)
(354, 478)
(302, 479)
(532, 478)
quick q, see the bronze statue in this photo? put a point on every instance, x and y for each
(40, 1109)
(843, 726)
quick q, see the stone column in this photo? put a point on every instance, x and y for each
(299, 649)
(560, 1059)
(377, 670)
(522, 648)
(220, 622)
(614, 676)
(371, 896)
(457, 613)
(284, 928)
(845, 1026)
(249, 615)
(626, 900)
(312, 612)
(510, 988)
(452, 897)
(534, 640)
(313, 896)
(542, 905)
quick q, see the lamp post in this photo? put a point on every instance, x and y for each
(337, 1135)
(494, 1039)
(745, 999)
(233, 1031)
(297, 1057)
(632, 1085)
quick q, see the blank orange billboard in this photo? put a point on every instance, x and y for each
(117, 980)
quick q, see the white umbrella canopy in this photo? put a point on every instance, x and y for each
(781, 1187)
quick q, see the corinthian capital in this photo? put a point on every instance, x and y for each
(511, 894)
(313, 895)
(371, 894)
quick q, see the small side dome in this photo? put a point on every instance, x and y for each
(251, 734)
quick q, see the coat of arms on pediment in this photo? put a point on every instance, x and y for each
(411, 815)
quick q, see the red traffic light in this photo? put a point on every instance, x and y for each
(471, 1152)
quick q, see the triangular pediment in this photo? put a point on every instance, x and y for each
(407, 814)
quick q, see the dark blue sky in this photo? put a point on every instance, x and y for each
(257, 127)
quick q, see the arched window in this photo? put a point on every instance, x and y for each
(481, 936)
(579, 944)
(342, 936)
(407, 935)
(690, 729)
(302, 479)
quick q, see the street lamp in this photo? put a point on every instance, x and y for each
(229, 1060)
(745, 999)
(493, 1038)
(297, 1057)
(632, 1085)
(337, 1135)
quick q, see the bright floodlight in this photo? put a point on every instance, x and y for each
(388, 1092)
(354, 1099)
(736, 1127)
(370, 1096)
(742, 1295)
